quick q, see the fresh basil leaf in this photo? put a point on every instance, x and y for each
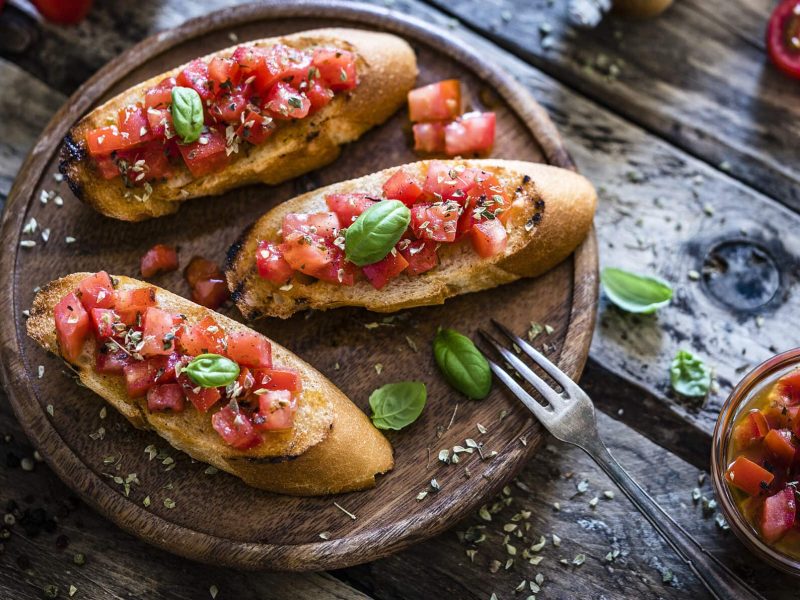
(462, 364)
(375, 232)
(396, 405)
(212, 370)
(635, 293)
(187, 113)
(689, 376)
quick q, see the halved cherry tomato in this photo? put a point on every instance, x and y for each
(235, 428)
(271, 264)
(159, 259)
(165, 397)
(404, 187)
(748, 476)
(249, 349)
(435, 102)
(383, 271)
(783, 37)
(72, 326)
(348, 206)
(276, 411)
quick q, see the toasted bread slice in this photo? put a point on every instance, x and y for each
(387, 70)
(326, 422)
(558, 216)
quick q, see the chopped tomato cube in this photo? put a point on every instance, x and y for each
(748, 476)
(131, 304)
(436, 222)
(195, 76)
(271, 264)
(421, 256)
(204, 337)
(158, 333)
(256, 127)
(201, 397)
(72, 327)
(160, 96)
(207, 154)
(285, 102)
(229, 108)
(103, 321)
(200, 268)
(404, 187)
(337, 68)
(165, 397)
(211, 293)
(278, 379)
(318, 95)
(141, 375)
(445, 182)
(97, 291)
(107, 167)
(249, 349)
(306, 252)
(348, 206)
(429, 137)
(133, 125)
(105, 140)
(753, 427)
(779, 443)
(275, 411)
(323, 224)
(473, 133)
(245, 379)
(149, 162)
(435, 102)
(235, 428)
(111, 363)
(224, 74)
(778, 514)
(788, 388)
(386, 269)
(159, 259)
(489, 238)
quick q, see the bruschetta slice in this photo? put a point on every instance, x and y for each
(210, 386)
(264, 111)
(410, 236)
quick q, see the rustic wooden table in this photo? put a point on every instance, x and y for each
(688, 133)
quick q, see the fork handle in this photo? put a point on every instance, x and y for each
(720, 581)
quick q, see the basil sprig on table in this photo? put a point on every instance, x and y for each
(635, 293)
(689, 375)
(212, 370)
(375, 232)
(462, 364)
(187, 114)
(396, 405)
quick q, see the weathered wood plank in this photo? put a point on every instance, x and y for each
(698, 76)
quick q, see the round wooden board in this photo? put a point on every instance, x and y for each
(215, 517)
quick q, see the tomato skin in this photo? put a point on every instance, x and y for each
(489, 238)
(439, 101)
(285, 102)
(166, 397)
(276, 411)
(111, 363)
(778, 515)
(473, 133)
(421, 256)
(204, 158)
(348, 206)
(159, 259)
(277, 379)
(429, 137)
(748, 476)
(784, 25)
(337, 68)
(437, 222)
(323, 224)
(386, 269)
(249, 349)
(271, 264)
(97, 291)
(404, 187)
(235, 428)
(72, 326)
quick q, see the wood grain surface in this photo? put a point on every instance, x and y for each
(168, 500)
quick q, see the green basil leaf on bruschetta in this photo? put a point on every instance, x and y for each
(376, 231)
(212, 370)
(187, 113)
(689, 375)
(396, 405)
(634, 293)
(462, 364)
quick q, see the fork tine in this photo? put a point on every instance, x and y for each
(540, 359)
(539, 411)
(553, 397)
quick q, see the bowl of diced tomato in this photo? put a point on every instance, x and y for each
(755, 461)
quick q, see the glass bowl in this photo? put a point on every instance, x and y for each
(756, 380)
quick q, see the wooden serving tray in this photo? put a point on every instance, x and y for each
(171, 501)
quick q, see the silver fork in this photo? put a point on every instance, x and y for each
(569, 416)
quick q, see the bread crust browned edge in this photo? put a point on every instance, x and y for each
(387, 71)
(561, 208)
(342, 452)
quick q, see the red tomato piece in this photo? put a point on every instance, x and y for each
(256, 128)
(322, 224)
(111, 363)
(278, 379)
(421, 256)
(166, 397)
(204, 337)
(348, 206)
(318, 95)
(271, 264)
(778, 515)
(229, 108)
(141, 375)
(158, 332)
(211, 293)
(206, 155)
(429, 137)
(748, 476)
(337, 68)
(72, 327)
(64, 12)
(235, 428)
(437, 222)
(788, 388)
(779, 444)
(159, 259)
(285, 102)
(473, 133)
(223, 74)
(195, 76)
(753, 427)
(386, 269)
(103, 321)
(489, 238)
(97, 291)
(133, 125)
(307, 253)
(435, 102)
(404, 187)
(105, 140)
(200, 268)
(249, 349)
(160, 122)
(148, 163)
(160, 96)
(783, 37)
(132, 304)
(107, 167)
(275, 411)
(445, 182)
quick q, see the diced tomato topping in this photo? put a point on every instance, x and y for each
(97, 291)
(207, 282)
(404, 187)
(165, 397)
(337, 68)
(271, 264)
(779, 443)
(133, 125)
(318, 95)
(235, 428)
(429, 137)
(306, 252)
(778, 514)
(111, 363)
(131, 304)
(383, 271)
(202, 398)
(195, 76)
(105, 140)
(249, 349)
(141, 375)
(103, 320)
(435, 102)
(446, 182)
(203, 338)
(489, 238)
(256, 128)
(748, 476)
(278, 379)
(473, 133)
(229, 108)
(158, 332)
(755, 426)
(207, 154)
(788, 388)
(275, 411)
(421, 256)
(323, 224)
(160, 96)
(107, 167)
(436, 222)
(72, 326)
(223, 74)
(285, 102)
(159, 259)
(348, 206)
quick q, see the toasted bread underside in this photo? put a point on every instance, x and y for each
(559, 211)
(386, 68)
(326, 422)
